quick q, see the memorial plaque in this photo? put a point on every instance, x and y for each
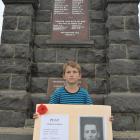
(70, 21)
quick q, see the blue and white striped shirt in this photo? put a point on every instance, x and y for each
(62, 96)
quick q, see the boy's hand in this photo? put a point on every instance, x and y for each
(35, 116)
(111, 118)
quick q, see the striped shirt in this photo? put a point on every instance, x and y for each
(62, 96)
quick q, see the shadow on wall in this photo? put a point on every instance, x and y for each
(1, 17)
(139, 19)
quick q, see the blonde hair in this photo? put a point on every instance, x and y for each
(72, 64)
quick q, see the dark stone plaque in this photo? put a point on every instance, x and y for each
(70, 21)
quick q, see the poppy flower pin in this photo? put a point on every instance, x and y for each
(42, 109)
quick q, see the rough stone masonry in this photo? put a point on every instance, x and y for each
(110, 65)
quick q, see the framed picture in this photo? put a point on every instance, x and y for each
(92, 128)
(73, 122)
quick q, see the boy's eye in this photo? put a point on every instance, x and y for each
(72, 72)
(68, 72)
(75, 71)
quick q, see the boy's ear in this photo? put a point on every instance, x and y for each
(63, 76)
(80, 75)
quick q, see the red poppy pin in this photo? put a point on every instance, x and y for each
(42, 109)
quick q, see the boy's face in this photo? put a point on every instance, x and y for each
(71, 75)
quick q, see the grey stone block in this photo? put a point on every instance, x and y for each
(43, 28)
(123, 122)
(134, 83)
(22, 62)
(124, 102)
(138, 122)
(46, 5)
(117, 51)
(88, 70)
(118, 83)
(39, 84)
(96, 16)
(101, 70)
(97, 29)
(18, 10)
(41, 41)
(4, 81)
(18, 82)
(65, 54)
(12, 37)
(22, 51)
(11, 118)
(123, 9)
(115, 23)
(14, 100)
(100, 56)
(49, 70)
(92, 56)
(131, 22)
(15, 68)
(99, 42)
(45, 55)
(9, 23)
(43, 16)
(131, 36)
(127, 67)
(133, 52)
(7, 51)
(100, 86)
(7, 61)
(96, 4)
(25, 23)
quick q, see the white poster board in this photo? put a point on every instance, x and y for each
(69, 122)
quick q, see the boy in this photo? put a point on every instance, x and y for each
(71, 93)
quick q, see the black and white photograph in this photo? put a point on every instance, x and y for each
(91, 128)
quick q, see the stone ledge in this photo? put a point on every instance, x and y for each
(120, 1)
(71, 43)
(35, 3)
(127, 134)
(13, 130)
(11, 133)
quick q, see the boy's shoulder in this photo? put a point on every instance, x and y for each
(83, 90)
(59, 89)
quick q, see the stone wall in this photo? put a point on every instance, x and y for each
(110, 62)
(15, 63)
(124, 63)
(48, 58)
